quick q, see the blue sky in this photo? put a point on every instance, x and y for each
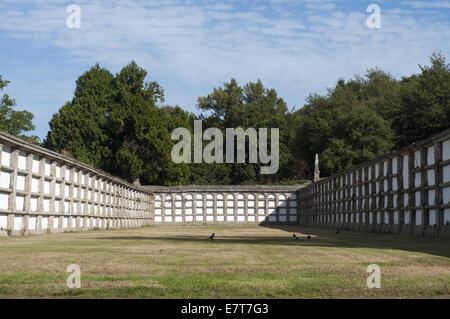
(191, 46)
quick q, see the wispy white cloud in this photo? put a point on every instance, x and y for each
(428, 4)
(195, 45)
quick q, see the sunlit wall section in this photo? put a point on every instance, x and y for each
(44, 192)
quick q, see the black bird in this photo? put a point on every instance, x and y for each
(295, 237)
(338, 231)
(212, 236)
(309, 237)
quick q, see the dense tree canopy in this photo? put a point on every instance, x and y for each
(368, 116)
(425, 102)
(344, 127)
(251, 106)
(116, 123)
(79, 127)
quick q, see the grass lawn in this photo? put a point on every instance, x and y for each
(242, 262)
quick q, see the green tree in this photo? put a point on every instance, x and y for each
(114, 123)
(343, 126)
(79, 127)
(425, 107)
(255, 106)
(250, 106)
(210, 174)
(15, 122)
(360, 135)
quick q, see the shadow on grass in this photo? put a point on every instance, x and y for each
(253, 240)
(319, 238)
(384, 241)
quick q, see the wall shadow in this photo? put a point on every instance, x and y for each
(325, 237)
(319, 238)
(253, 240)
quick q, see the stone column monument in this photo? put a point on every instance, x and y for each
(316, 169)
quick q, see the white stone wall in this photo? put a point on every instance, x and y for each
(234, 206)
(406, 191)
(42, 191)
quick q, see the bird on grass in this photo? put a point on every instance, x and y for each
(309, 237)
(212, 236)
(295, 237)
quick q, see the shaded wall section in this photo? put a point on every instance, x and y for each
(406, 191)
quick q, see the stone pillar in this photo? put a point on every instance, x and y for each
(316, 169)
(12, 195)
(438, 180)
